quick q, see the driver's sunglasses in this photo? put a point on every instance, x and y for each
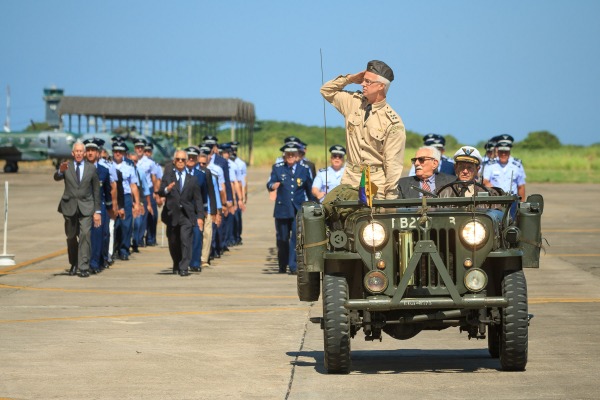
(421, 159)
(337, 156)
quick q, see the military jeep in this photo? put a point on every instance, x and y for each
(408, 265)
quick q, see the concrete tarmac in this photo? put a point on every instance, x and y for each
(237, 330)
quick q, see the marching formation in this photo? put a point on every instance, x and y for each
(110, 205)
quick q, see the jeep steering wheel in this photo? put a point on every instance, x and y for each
(459, 187)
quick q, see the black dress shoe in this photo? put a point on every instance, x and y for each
(123, 257)
(84, 274)
(175, 271)
(73, 270)
(293, 272)
(184, 273)
(136, 250)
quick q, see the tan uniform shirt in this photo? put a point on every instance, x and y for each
(379, 141)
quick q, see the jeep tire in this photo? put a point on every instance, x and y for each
(515, 323)
(336, 325)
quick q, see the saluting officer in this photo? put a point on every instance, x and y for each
(292, 182)
(330, 177)
(375, 134)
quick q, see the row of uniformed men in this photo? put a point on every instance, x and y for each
(129, 183)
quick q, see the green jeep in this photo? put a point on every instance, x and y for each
(409, 265)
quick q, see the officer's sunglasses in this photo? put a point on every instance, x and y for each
(337, 156)
(181, 159)
(421, 159)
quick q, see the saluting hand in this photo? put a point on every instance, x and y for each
(357, 78)
(171, 186)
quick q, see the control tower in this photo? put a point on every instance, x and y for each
(52, 97)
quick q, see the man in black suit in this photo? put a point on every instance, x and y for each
(426, 177)
(183, 208)
(80, 205)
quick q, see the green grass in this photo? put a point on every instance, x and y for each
(569, 164)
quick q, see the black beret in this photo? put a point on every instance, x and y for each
(380, 68)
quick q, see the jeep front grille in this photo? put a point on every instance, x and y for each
(426, 275)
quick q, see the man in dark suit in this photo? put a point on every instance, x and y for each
(426, 177)
(80, 205)
(183, 208)
(292, 181)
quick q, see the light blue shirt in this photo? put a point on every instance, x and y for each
(129, 176)
(327, 179)
(500, 175)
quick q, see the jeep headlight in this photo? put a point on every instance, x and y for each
(475, 280)
(473, 234)
(373, 235)
(376, 282)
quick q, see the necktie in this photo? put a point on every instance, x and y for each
(180, 179)
(367, 111)
(77, 172)
(425, 186)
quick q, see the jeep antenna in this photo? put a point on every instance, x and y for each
(325, 127)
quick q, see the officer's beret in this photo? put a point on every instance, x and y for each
(337, 149)
(137, 142)
(468, 154)
(380, 68)
(192, 151)
(504, 145)
(149, 146)
(290, 147)
(433, 138)
(120, 146)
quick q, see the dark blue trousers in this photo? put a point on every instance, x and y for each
(285, 229)
(197, 241)
(97, 241)
(151, 224)
(125, 226)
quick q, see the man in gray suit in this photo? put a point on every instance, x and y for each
(79, 205)
(426, 176)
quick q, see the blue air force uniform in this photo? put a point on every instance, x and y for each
(294, 189)
(100, 234)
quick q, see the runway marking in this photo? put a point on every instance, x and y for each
(158, 294)
(573, 255)
(543, 300)
(33, 261)
(146, 315)
(592, 230)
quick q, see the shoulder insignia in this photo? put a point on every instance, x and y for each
(323, 170)
(391, 114)
(279, 164)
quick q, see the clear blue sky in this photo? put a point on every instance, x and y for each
(472, 69)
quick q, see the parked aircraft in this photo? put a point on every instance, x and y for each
(30, 146)
(18, 147)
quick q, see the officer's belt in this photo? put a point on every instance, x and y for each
(358, 168)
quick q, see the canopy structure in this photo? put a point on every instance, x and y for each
(186, 120)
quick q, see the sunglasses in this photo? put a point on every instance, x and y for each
(203, 164)
(421, 159)
(181, 159)
(337, 156)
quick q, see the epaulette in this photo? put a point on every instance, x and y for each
(323, 170)
(391, 114)
(304, 165)
(518, 160)
(279, 164)
(358, 94)
(490, 161)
